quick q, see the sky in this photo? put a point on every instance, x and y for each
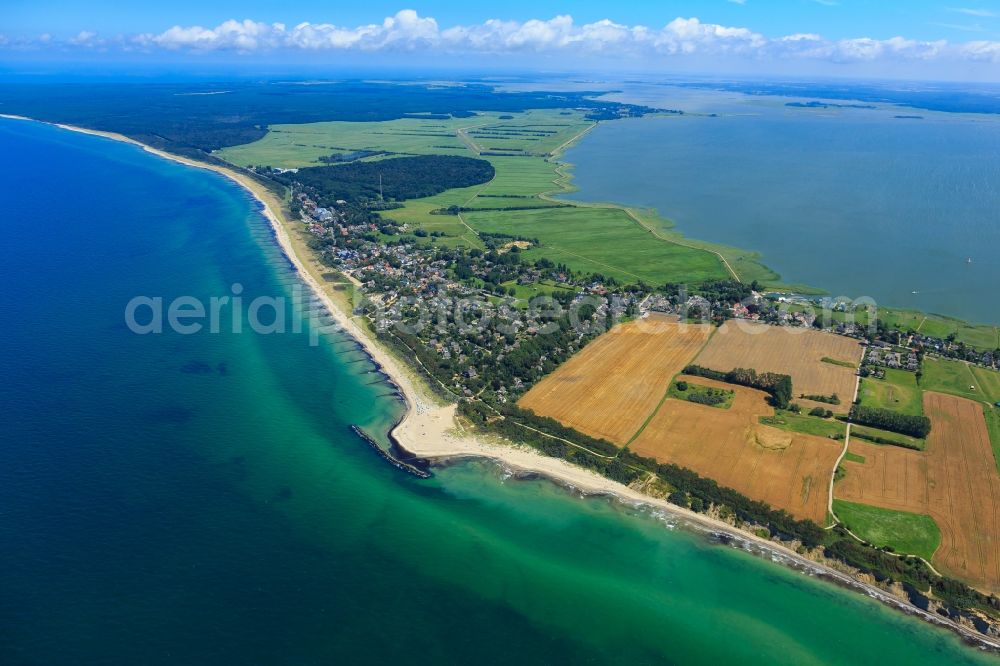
(917, 39)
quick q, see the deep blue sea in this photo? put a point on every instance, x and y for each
(200, 499)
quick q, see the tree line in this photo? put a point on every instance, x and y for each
(886, 419)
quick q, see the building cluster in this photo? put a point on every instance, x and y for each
(455, 308)
(884, 354)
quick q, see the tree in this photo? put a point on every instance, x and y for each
(679, 498)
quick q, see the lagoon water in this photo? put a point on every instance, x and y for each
(200, 499)
(858, 202)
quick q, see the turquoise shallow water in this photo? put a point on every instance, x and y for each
(858, 202)
(195, 499)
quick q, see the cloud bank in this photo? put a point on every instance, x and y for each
(407, 31)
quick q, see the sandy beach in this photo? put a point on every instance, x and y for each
(429, 429)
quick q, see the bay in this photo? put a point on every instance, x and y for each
(893, 203)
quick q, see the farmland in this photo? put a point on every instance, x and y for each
(795, 352)
(955, 482)
(898, 391)
(787, 470)
(609, 389)
(619, 388)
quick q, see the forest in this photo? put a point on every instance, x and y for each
(393, 179)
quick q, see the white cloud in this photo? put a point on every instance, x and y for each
(982, 51)
(980, 13)
(86, 38)
(407, 31)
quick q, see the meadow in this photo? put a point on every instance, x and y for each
(904, 532)
(898, 391)
(536, 132)
(808, 425)
(961, 379)
(993, 426)
(294, 146)
(600, 240)
(885, 437)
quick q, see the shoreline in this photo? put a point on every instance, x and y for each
(429, 430)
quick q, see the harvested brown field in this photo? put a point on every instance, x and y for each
(787, 470)
(610, 388)
(797, 352)
(954, 481)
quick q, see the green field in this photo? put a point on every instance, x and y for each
(746, 264)
(910, 533)
(536, 132)
(601, 240)
(529, 291)
(961, 379)
(522, 177)
(898, 392)
(809, 425)
(854, 457)
(836, 361)
(886, 438)
(993, 425)
(699, 389)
